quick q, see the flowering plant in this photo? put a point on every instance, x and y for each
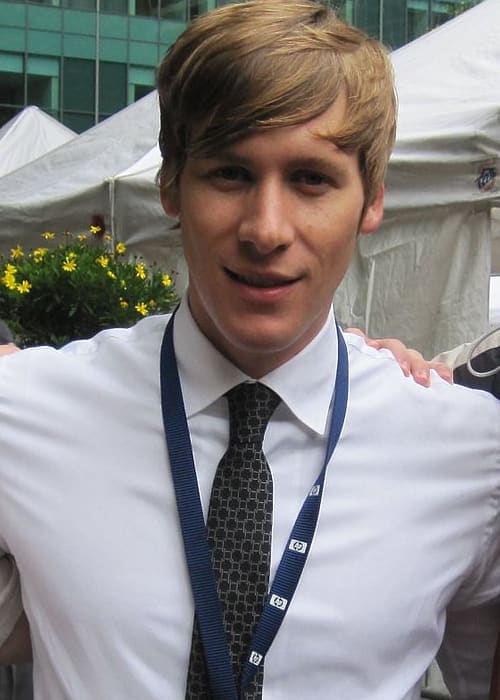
(72, 289)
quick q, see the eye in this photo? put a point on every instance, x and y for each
(311, 178)
(231, 173)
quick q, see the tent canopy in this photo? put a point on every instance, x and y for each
(27, 136)
(66, 187)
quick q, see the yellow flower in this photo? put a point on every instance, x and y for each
(38, 254)
(10, 269)
(102, 260)
(107, 237)
(140, 271)
(124, 304)
(120, 248)
(16, 252)
(95, 229)
(152, 303)
(23, 287)
(111, 275)
(71, 255)
(82, 237)
(141, 308)
(9, 280)
(48, 235)
(69, 265)
(166, 281)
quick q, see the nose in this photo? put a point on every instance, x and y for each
(267, 223)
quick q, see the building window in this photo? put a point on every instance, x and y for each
(78, 93)
(112, 88)
(43, 83)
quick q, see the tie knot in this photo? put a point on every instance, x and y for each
(251, 405)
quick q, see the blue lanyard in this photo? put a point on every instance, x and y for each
(198, 557)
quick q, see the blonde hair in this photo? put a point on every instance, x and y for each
(263, 64)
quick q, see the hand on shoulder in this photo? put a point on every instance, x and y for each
(411, 361)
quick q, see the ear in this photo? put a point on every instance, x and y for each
(170, 201)
(372, 218)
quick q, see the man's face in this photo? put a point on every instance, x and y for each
(269, 225)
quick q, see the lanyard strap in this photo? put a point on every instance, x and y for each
(198, 557)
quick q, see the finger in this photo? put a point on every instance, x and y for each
(443, 370)
(8, 349)
(405, 358)
(420, 369)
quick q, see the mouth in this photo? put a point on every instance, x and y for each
(261, 281)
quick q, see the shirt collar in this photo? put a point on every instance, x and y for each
(305, 383)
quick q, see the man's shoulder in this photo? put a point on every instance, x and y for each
(377, 373)
(109, 352)
(147, 331)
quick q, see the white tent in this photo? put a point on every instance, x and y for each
(424, 277)
(64, 189)
(27, 136)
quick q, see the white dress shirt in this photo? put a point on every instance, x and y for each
(408, 522)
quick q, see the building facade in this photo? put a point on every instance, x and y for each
(83, 60)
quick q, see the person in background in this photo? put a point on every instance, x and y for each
(477, 365)
(239, 501)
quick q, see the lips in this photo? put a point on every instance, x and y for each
(261, 281)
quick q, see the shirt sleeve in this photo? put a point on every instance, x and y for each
(10, 597)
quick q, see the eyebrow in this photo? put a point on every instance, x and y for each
(306, 162)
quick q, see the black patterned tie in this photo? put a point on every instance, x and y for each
(239, 534)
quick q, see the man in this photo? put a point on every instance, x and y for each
(277, 124)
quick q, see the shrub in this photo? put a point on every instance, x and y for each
(71, 289)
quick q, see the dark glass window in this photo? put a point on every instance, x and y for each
(112, 87)
(40, 91)
(79, 4)
(7, 113)
(146, 8)
(11, 90)
(114, 7)
(176, 9)
(78, 85)
(141, 91)
(78, 122)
